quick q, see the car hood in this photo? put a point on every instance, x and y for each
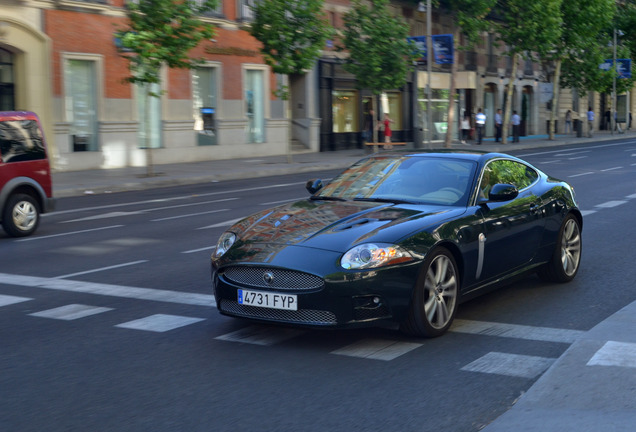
(336, 225)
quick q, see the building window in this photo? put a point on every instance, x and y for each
(7, 86)
(255, 105)
(345, 111)
(149, 109)
(245, 12)
(391, 103)
(204, 86)
(80, 84)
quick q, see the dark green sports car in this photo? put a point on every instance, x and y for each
(402, 237)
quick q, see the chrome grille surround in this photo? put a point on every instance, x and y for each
(305, 316)
(279, 279)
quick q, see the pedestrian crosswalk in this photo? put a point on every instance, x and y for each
(385, 348)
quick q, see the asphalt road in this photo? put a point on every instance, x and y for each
(107, 321)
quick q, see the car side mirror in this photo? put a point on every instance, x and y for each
(314, 186)
(503, 192)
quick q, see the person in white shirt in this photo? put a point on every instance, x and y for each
(480, 124)
(516, 125)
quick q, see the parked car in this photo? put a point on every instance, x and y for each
(26, 190)
(403, 237)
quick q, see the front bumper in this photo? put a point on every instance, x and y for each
(338, 299)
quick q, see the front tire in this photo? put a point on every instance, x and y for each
(21, 215)
(435, 297)
(566, 259)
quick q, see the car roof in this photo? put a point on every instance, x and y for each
(478, 156)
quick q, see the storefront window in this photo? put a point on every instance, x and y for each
(392, 105)
(439, 113)
(345, 111)
(255, 106)
(80, 85)
(205, 105)
(149, 109)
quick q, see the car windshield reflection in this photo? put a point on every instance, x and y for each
(404, 179)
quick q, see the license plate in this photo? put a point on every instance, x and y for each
(267, 300)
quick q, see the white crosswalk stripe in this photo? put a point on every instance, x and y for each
(515, 365)
(261, 335)
(159, 323)
(6, 300)
(377, 349)
(71, 312)
(614, 353)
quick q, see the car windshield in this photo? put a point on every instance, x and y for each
(404, 179)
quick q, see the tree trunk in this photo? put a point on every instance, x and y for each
(511, 82)
(555, 99)
(451, 100)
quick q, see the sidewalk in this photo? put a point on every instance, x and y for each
(590, 388)
(76, 183)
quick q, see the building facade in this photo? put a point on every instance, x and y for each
(60, 58)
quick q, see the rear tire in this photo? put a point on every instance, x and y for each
(21, 215)
(566, 259)
(435, 297)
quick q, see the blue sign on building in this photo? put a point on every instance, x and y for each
(443, 48)
(623, 67)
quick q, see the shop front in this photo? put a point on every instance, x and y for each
(343, 108)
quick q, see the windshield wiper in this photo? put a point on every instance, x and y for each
(326, 198)
(386, 200)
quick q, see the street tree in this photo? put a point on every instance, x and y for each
(527, 29)
(379, 54)
(469, 18)
(293, 34)
(583, 24)
(161, 32)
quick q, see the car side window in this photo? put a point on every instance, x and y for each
(507, 172)
(21, 140)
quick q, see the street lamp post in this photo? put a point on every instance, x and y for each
(614, 113)
(429, 49)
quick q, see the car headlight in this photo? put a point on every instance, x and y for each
(374, 255)
(225, 242)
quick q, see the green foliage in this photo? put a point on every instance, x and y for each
(471, 17)
(529, 26)
(292, 32)
(379, 54)
(163, 32)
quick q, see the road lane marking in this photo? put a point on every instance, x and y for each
(188, 215)
(611, 169)
(100, 269)
(613, 353)
(221, 224)
(69, 233)
(6, 300)
(546, 334)
(587, 212)
(581, 174)
(159, 323)
(261, 335)
(515, 365)
(377, 349)
(167, 296)
(71, 312)
(610, 204)
(199, 250)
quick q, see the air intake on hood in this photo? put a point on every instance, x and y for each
(356, 222)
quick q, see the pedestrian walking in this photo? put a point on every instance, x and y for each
(516, 125)
(590, 122)
(498, 125)
(568, 122)
(480, 123)
(466, 128)
(387, 131)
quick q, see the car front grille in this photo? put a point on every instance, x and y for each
(272, 278)
(305, 316)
